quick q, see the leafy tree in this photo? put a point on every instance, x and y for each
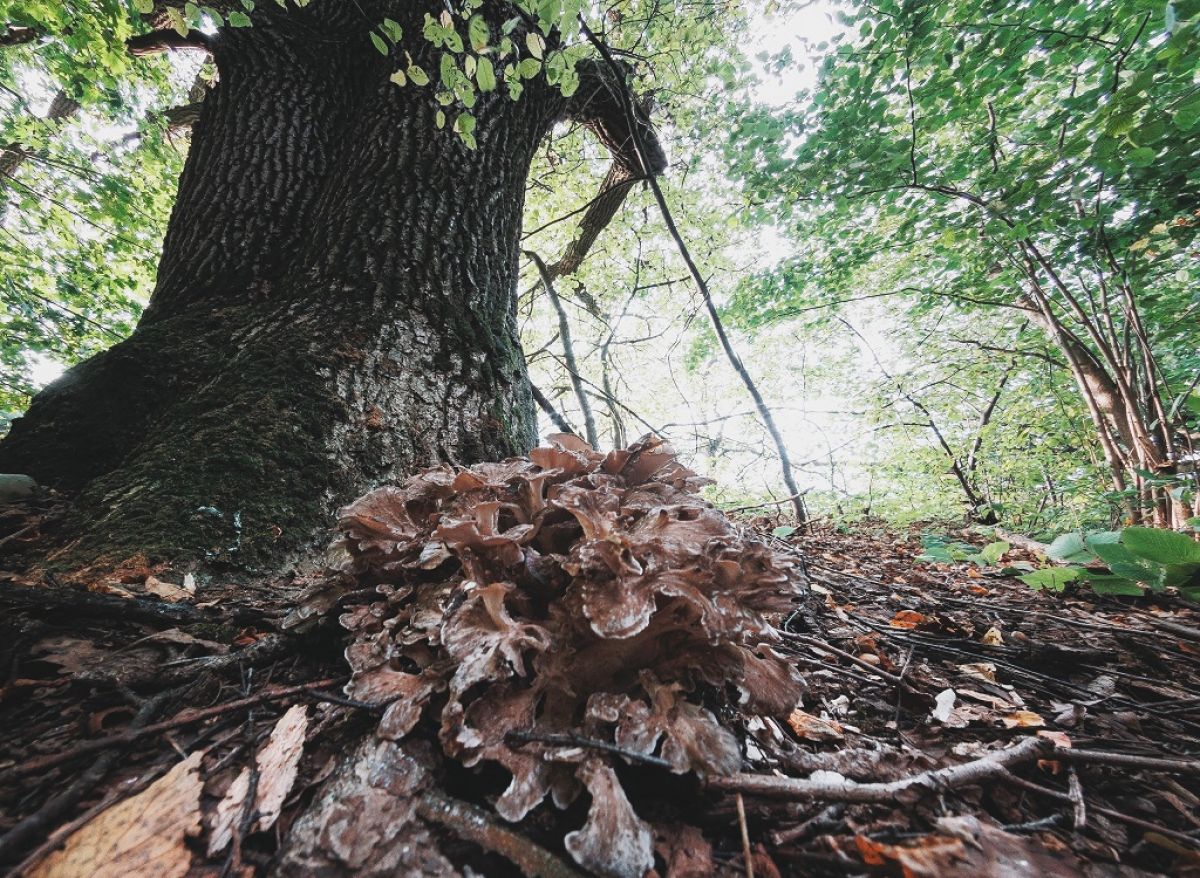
(1040, 160)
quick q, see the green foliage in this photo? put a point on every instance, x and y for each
(1137, 558)
(83, 215)
(940, 145)
(941, 549)
(1052, 578)
(471, 53)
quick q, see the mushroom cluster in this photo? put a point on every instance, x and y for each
(568, 596)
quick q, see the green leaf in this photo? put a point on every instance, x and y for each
(440, 119)
(177, 21)
(485, 75)
(144, 6)
(1053, 578)
(1161, 546)
(465, 123)
(1142, 157)
(238, 19)
(1114, 585)
(393, 30)
(399, 78)
(529, 68)
(535, 44)
(1124, 563)
(478, 33)
(1187, 114)
(1070, 547)
(1181, 575)
(992, 552)
(378, 43)
(418, 75)
(782, 532)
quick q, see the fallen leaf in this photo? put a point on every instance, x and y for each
(247, 636)
(71, 654)
(1022, 719)
(277, 762)
(980, 670)
(141, 837)
(943, 704)
(1060, 739)
(908, 619)
(168, 592)
(985, 698)
(110, 589)
(933, 855)
(992, 637)
(814, 728)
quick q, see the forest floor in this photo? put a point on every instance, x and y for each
(1073, 720)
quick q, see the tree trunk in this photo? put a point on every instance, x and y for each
(334, 307)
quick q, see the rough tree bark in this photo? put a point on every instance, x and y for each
(334, 306)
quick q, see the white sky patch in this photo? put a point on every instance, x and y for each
(44, 369)
(801, 32)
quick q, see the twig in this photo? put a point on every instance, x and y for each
(821, 644)
(233, 862)
(1181, 837)
(265, 649)
(798, 496)
(735, 361)
(903, 791)
(826, 818)
(184, 718)
(1040, 825)
(475, 825)
(551, 412)
(1075, 791)
(1154, 763)
(741, 812)
(564, 332)
(566, 740)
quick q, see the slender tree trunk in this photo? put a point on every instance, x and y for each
(335, 304)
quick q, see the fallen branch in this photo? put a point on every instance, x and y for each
(903, 791)
(55, 601)
(1129, 760)
(1178, 630)
(1022, 542)
(475, 825)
